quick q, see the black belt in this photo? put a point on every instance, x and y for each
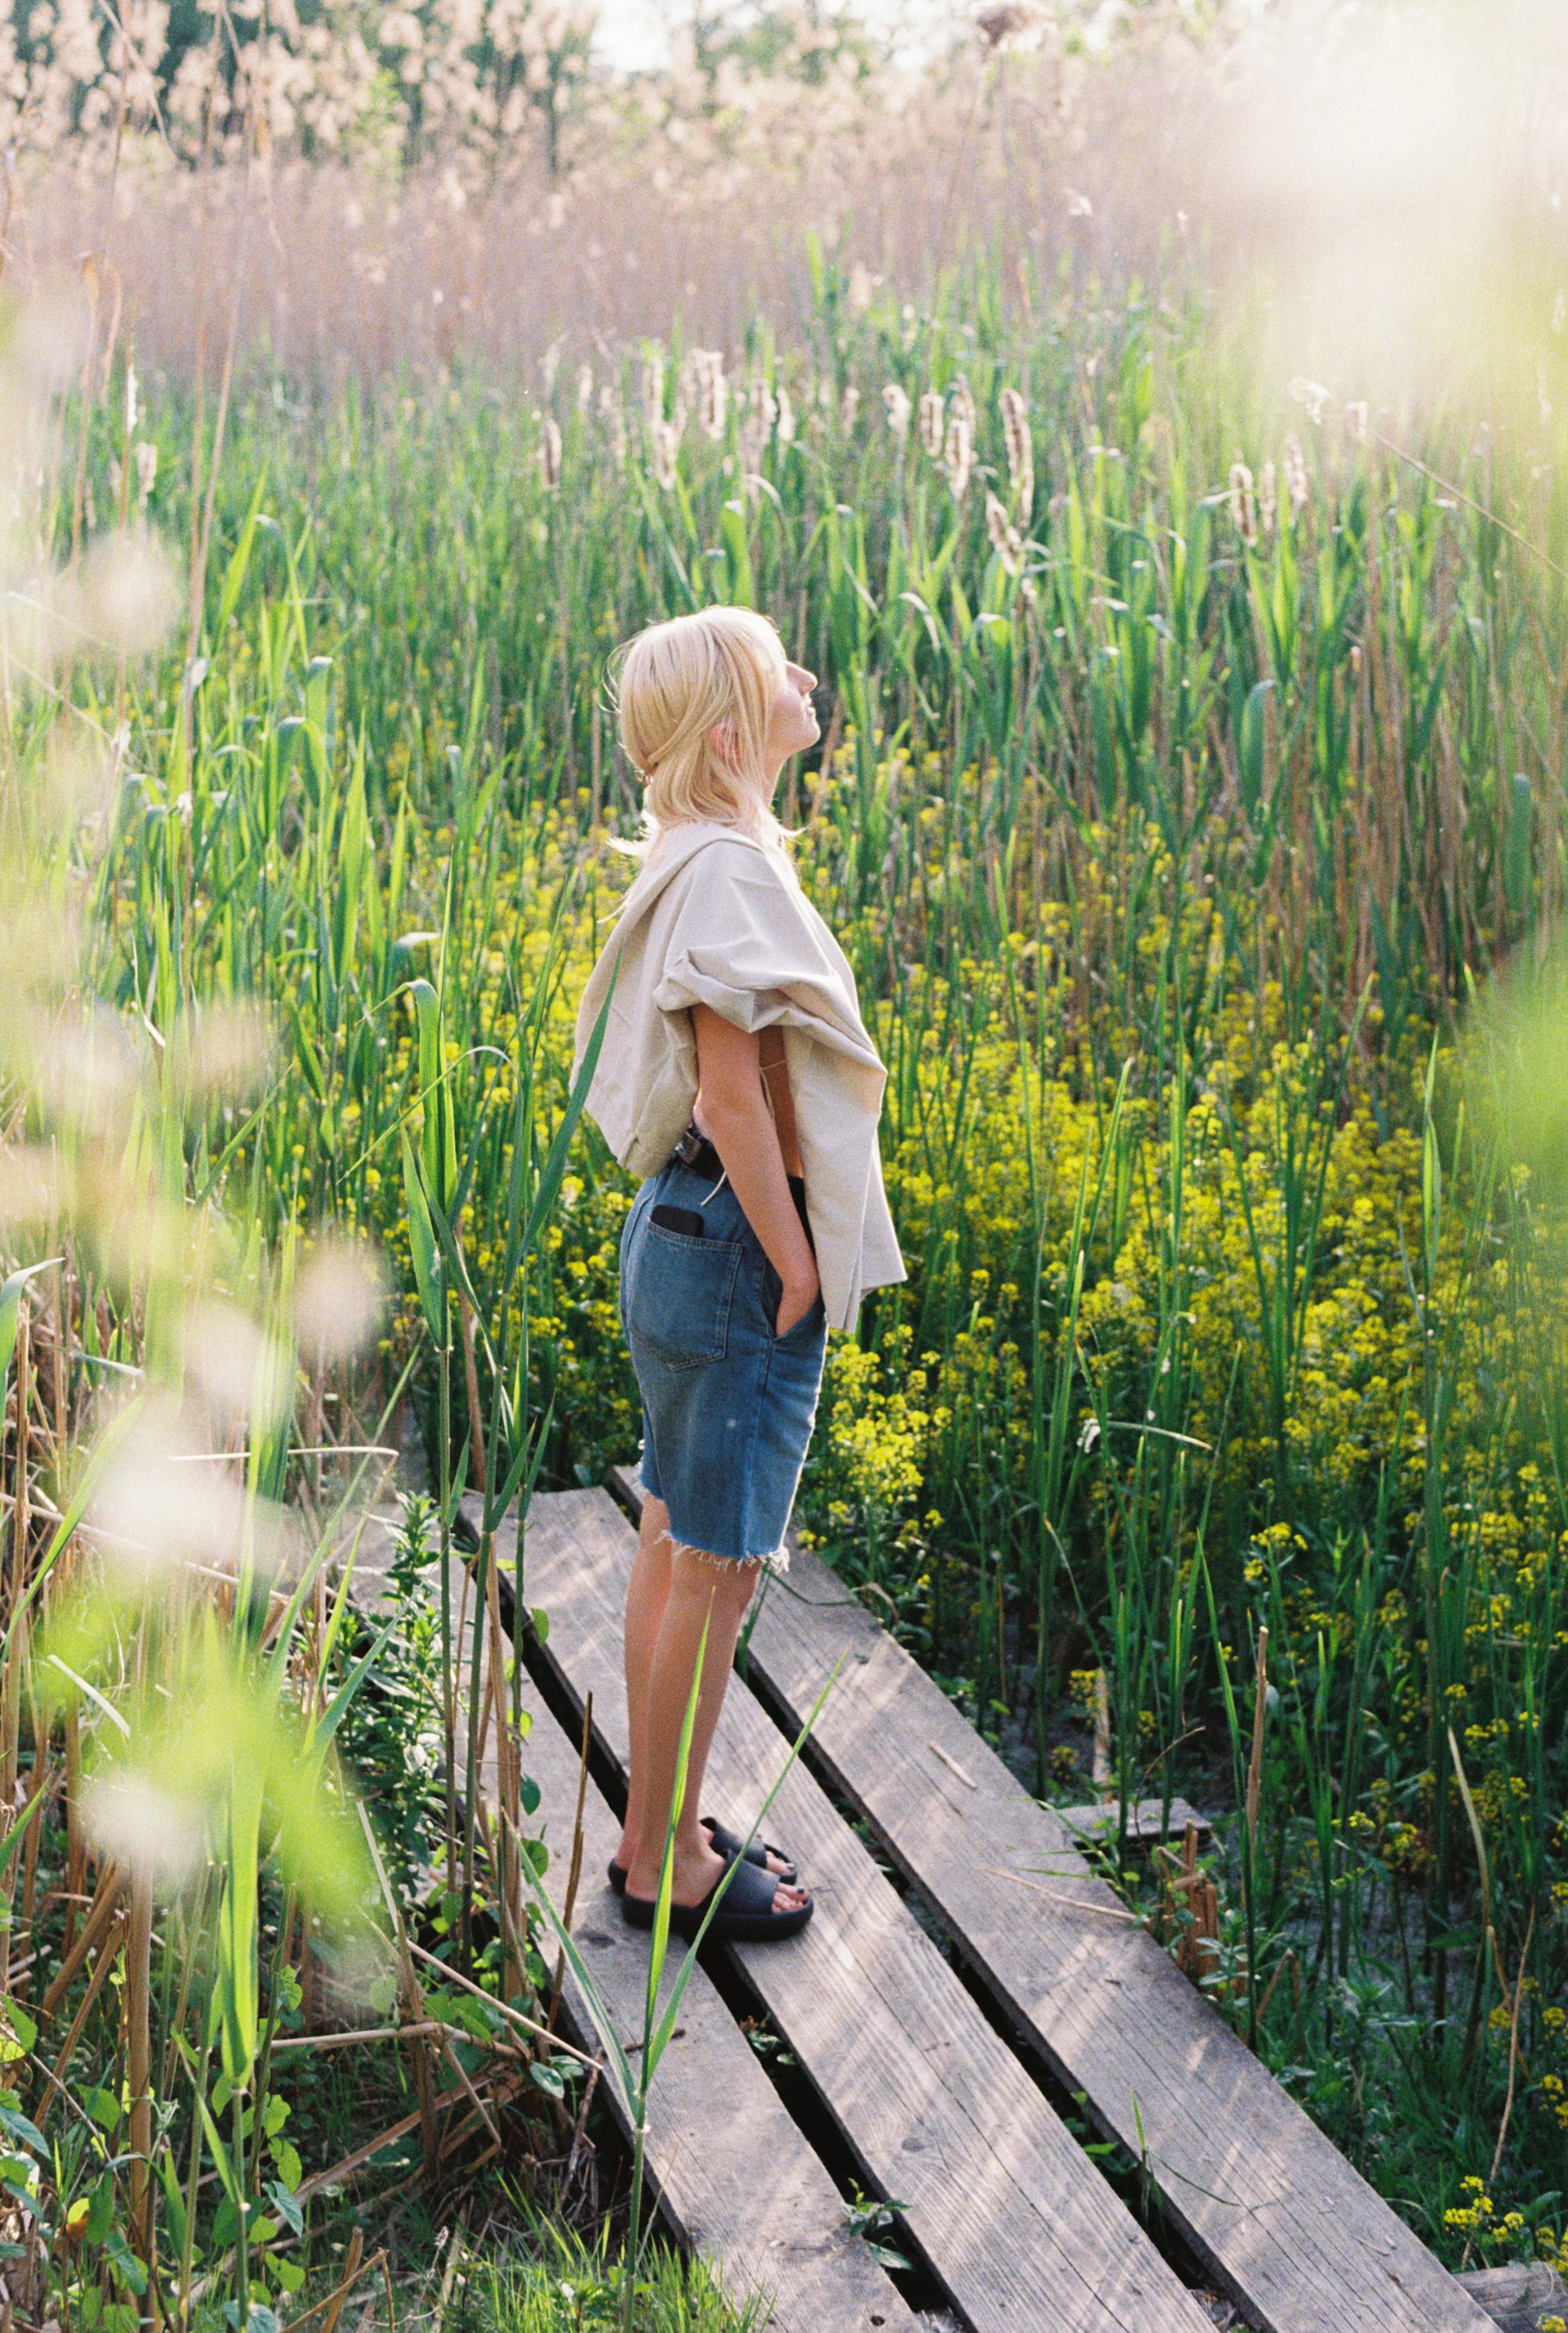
(696, 1151)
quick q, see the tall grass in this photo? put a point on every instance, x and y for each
(1166, 823)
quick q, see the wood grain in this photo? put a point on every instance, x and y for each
(1285, 2225)
(1013, 2217)
(735, 2178)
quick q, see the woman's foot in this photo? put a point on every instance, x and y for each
(724, 1842)
(753, 1908)
(697, 1871)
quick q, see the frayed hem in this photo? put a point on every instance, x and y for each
(778, 1563)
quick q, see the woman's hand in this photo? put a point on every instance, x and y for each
(799, 1296)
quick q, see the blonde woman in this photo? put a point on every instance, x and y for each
(737, 1079)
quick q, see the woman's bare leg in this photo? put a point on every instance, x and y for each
(645, 1601)
(702, 1592)
(646, 1596)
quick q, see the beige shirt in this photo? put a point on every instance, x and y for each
(714, 918)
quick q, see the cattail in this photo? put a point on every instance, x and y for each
(849, 407)
(784, 427)
(896, 405)
(763, 407)
(665, 443)
(1356, 418)
(653, 386)
(146, 471)
(584, 388)
(958, 454)
(550, 453)
(1005, 540)
(1020, 452)
(1243, 505)
(549, 365)
(1297, 485)
(712, 392)
(933, 421)
(1267, 497)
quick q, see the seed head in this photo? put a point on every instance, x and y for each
(665, 443)
(963, 404)
(896, 405)
(652, 385)
(849, 408)
(958, 455)
(784, 427)
(1297, 485)
(584, 388)
(1356, 418)
(1267, 497)
(611, 413)
(712, 391)
(933, 421)
(1005, 540)
(1020, 451)
(1243, 504)
(550, 453)
(1313, 395)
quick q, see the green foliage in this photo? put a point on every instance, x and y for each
(1170, 814)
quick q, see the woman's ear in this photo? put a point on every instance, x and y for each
(724, 740)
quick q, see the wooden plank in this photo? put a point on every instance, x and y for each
(1014, 2218)
(714, 2117)
(1148, 1822)
(735, 2177)
(1283, 2223)
(1518, 2297)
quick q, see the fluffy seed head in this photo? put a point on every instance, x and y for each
(1243, 504)
(958, 455)
(1020, 451)
(550, 453)
(1005, 540)
(896, 405)
(933, 421)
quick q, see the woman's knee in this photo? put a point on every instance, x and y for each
(694, 1572)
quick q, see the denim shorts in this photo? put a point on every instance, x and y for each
(727, 1406)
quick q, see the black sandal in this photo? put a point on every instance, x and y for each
(727, 1843)
(745, 1915)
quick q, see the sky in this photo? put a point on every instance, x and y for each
(634, 34)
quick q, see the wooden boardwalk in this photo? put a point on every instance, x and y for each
(1009, 2216)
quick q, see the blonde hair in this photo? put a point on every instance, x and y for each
(678, 681)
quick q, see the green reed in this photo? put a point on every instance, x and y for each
(1162, 862)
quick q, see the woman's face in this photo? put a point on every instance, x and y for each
(793, 723)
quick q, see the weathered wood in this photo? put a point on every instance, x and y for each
(736, 2179)
(1519, 2298)
(1282, 2220)
(714, 2117)
(1012, 2215)
(1148, 1822)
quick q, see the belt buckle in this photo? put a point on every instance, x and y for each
(690, 1149)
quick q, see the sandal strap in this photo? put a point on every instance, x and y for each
(728, 1842)
(751, 1889)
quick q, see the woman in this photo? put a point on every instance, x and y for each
(736, 1078)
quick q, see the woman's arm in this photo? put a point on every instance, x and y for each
(738, 1121)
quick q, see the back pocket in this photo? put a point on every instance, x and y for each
(678, 1300)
